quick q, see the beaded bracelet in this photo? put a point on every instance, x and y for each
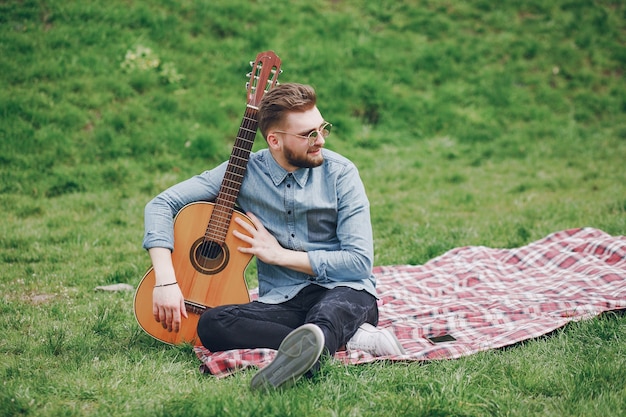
(166, 285)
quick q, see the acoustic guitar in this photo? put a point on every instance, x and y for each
(208, 267)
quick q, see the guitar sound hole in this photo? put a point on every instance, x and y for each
(210, 251)
(208, 257)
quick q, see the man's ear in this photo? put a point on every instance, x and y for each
(272, 141)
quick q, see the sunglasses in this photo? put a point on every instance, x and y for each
(323, 130)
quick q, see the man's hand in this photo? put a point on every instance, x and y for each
(265, 247)
(168, 303)
(262, 244)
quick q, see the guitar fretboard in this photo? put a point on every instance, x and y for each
(231, 184)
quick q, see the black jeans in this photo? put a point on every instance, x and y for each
(338, 312)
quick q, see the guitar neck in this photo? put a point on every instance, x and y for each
(265, 70)
(233, 178)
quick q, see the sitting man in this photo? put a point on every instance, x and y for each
(312, 240)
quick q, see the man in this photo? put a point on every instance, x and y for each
(312, 240)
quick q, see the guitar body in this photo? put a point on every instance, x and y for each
(208, 275)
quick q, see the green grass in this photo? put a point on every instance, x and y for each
(472, 123)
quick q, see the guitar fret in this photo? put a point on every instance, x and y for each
(230, 186)
(239, 158)
(243, 154)
(220, 225)
(240, 148)
(248, 120)
(228, 198)
(244, 160)
(220, 228)
(248, 129)
(237, 171)
(224, 197)
(234, 180)
(236, 174)
(222, 212)
(234, 177)
(243, 143)
(244, 137)
(230, 189)
(221, 216)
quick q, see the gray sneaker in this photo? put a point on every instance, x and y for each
(297, 353)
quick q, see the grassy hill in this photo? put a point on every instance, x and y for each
(472, 123)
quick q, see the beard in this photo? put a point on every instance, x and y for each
(303, 161)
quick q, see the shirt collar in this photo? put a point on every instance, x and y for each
(278, 173)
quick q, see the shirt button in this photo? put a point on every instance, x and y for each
(292, 235)
(288, 185)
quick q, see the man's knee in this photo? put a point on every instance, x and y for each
(211, 326)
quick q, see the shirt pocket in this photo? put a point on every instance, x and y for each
(322, 224)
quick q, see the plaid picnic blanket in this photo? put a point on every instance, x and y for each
(485, 298)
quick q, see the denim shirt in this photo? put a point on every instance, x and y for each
(323, 211)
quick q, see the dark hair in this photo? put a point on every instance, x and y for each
(282, 99)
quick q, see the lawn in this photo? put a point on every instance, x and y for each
(471, 122)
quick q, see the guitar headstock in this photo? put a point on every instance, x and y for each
(263, 77)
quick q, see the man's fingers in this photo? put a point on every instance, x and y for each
(245, 225)
(255, 221)
(242, 236)
(175, 323)
(169, 315)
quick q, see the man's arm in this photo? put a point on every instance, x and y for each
(168, 305)
(353, 259)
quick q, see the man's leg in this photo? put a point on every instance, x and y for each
(339, 313)
(248, 326)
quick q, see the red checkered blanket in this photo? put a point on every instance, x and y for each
(485, 298)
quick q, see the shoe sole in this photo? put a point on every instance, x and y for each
(297, 353)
